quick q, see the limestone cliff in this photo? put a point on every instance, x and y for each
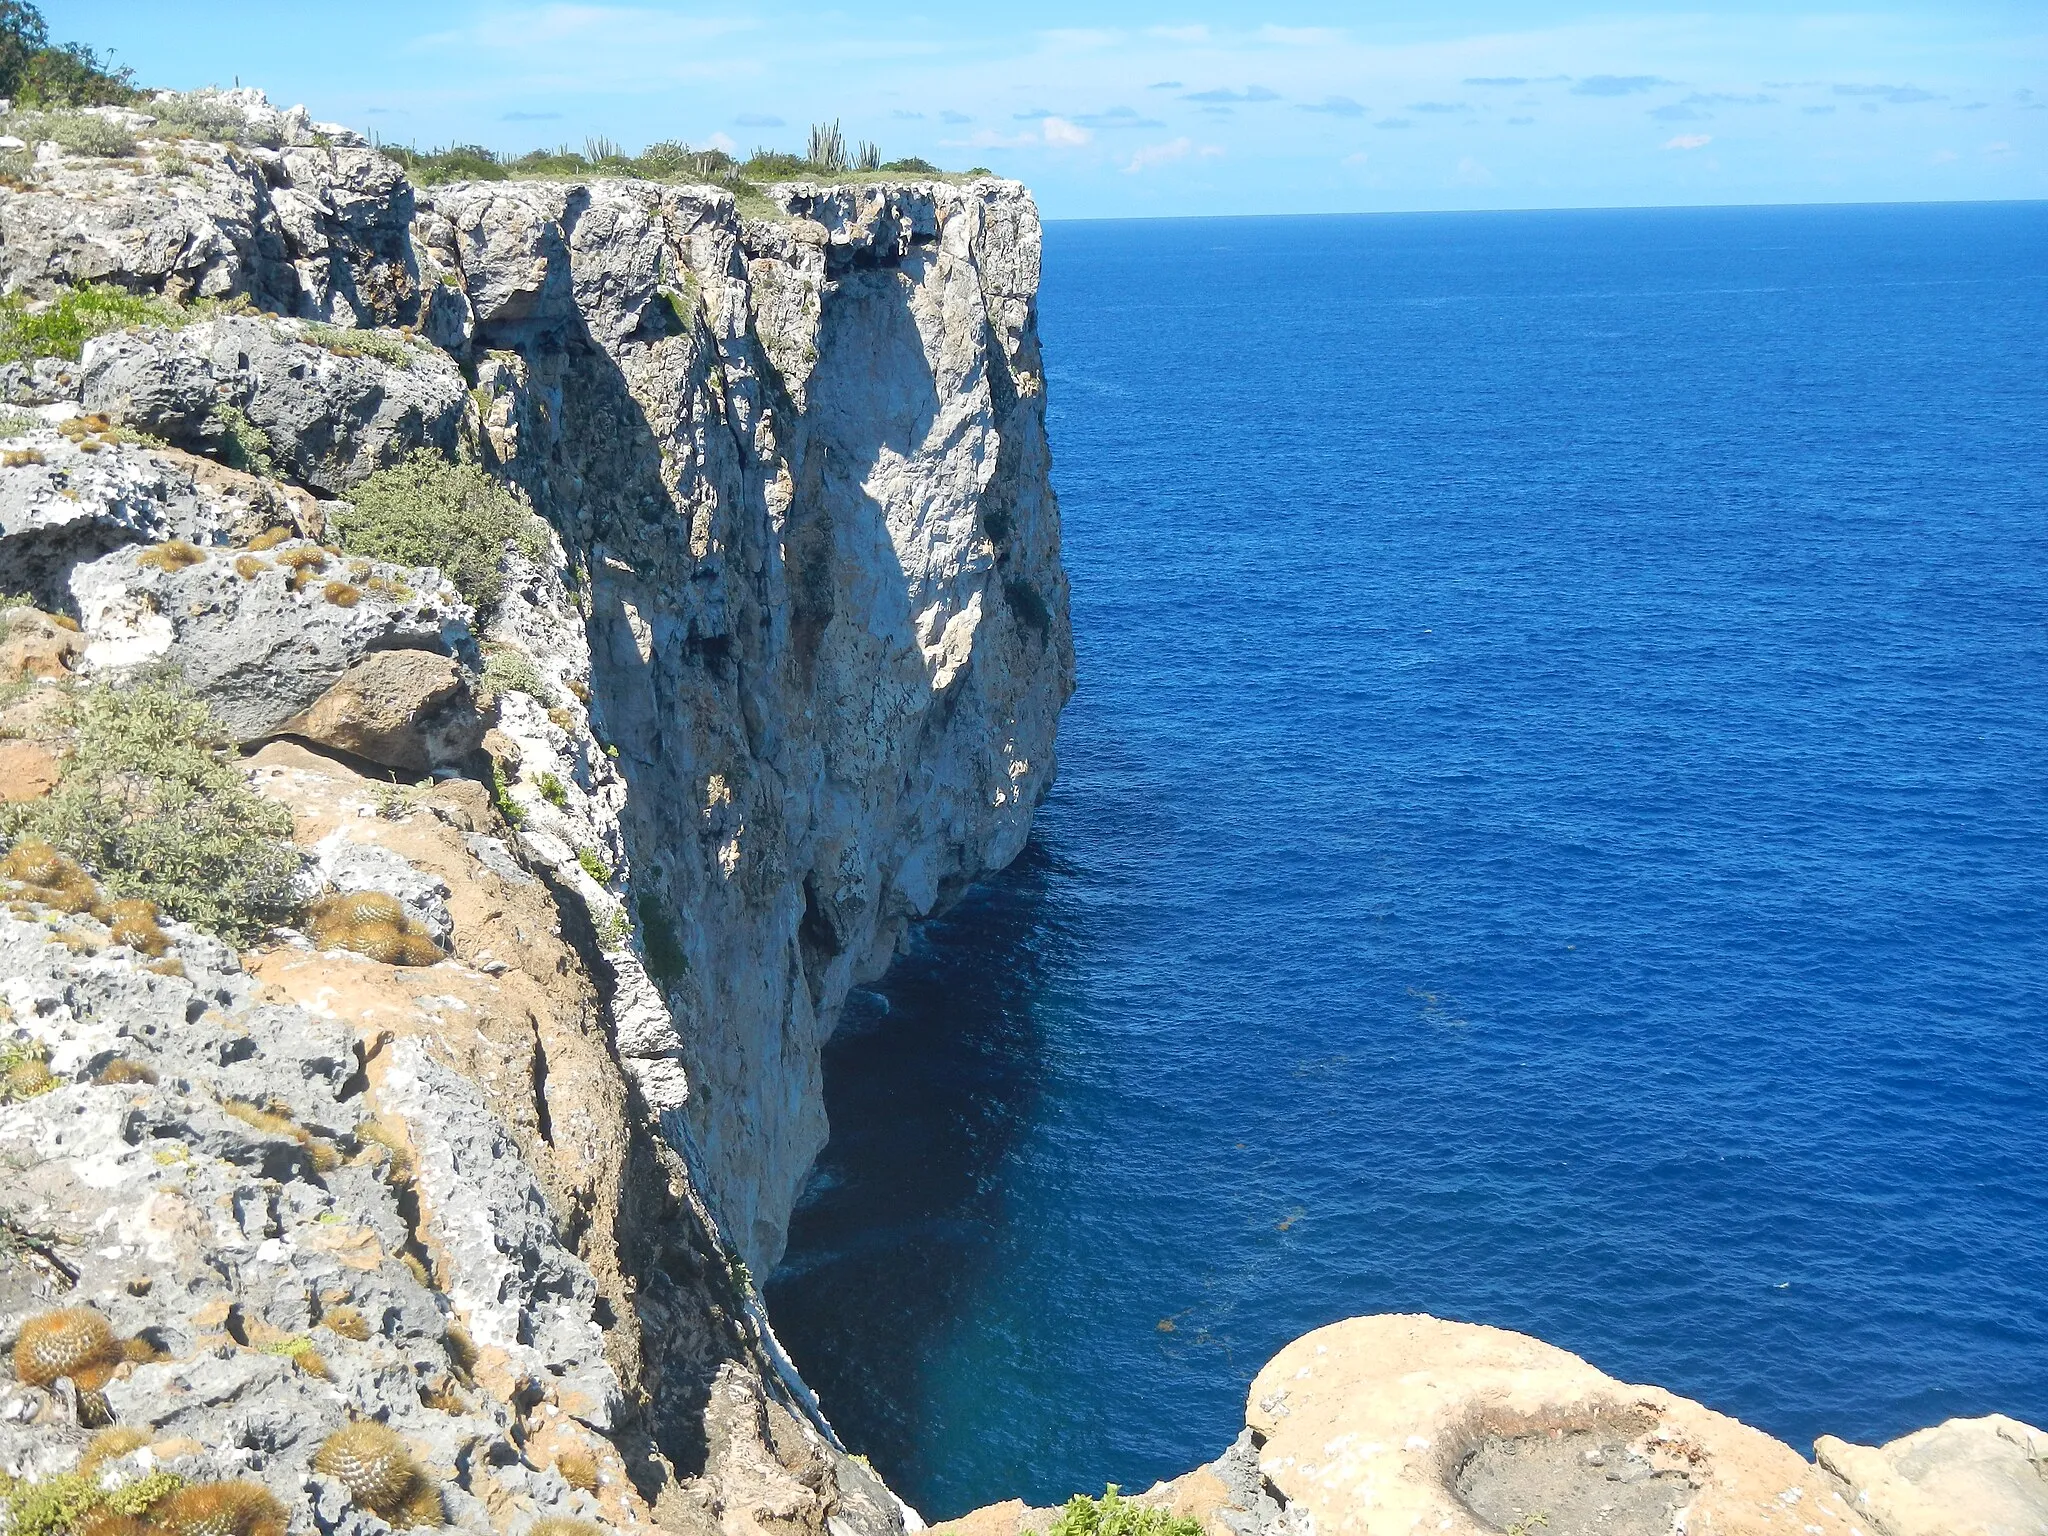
(485, 1144)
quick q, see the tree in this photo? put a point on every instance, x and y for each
(33, 72)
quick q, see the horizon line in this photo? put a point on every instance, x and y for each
(1409, 213)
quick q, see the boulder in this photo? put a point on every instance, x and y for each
(37, 645)
(64, 499)
(410, 710)
(1967, 1477)
(260, 637)
(28, 770)
(334, 406)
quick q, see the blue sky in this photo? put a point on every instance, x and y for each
(1122, 107)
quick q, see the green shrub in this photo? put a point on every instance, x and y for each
(458, 162)
(62, 328)
(1112, 1516)
(426, 511)
(49, 1506)
(243, 444)
(501, 797)
(552, 790)
(665, 160)
(83, 133)
(594, 866)
(346, 342)
(203, 115)
(507, 669)
(775, 165)
(153, 801)
(36, 72)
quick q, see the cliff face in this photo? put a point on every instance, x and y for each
(824, 601)
(780, 676)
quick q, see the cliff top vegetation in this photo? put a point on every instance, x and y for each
(36, 72)
(825, 158)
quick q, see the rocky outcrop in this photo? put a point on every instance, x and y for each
(329, 412)
(1967, 1477)
(487, 1147)
(1386, 1426)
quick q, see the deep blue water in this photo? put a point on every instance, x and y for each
(1553, 832)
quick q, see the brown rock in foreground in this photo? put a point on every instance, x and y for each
(1409, 1424)
(409, 710)
(1967, 1477)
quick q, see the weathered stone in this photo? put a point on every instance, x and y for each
(28, 770)
(1967, 1477)
(409, 710)
(262, 647)
(37, 645)
(331, 416)
(795, 666)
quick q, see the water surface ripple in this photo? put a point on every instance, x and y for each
(1554, 832)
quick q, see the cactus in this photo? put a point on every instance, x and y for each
(238, 1508)
(578, 1468)
(135, 925)
(72, 1341)
(557, 1525)
(51, 878)
(373, 1464)
(373, 924)
(346, 1321)
(110, 1445)
(171, 555)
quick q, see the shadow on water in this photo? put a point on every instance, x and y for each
(930, 1082)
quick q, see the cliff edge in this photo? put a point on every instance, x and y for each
(486, 670)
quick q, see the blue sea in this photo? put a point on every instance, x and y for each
(1553, 831)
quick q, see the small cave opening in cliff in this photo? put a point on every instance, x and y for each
(930, 1083)
(1586, 1477)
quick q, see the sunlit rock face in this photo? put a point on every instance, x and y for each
(590, 860)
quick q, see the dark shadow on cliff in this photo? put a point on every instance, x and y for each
(930, 1083)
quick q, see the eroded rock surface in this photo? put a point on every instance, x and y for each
(1388, 1426)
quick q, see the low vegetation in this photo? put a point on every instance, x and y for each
(63, 327)
(153, 801)
(826, 159)
(345, 341)
(203, 115)
(83, 133)
(243, 444)
(507, 669)
(427, 511)
(1114, 1516)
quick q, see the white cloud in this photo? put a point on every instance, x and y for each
(1160, 154)
(1472, 174)
(1689, 141)
(1047, 131)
